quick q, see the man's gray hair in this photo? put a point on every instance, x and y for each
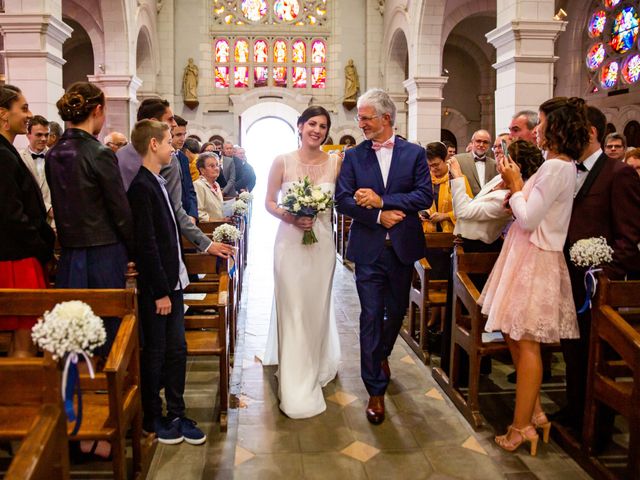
(55, 129)
(530, 115)
(380, 101)
(202, 158)
(616, 136)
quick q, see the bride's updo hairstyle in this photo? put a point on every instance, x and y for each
(80, 99)
(315, 111)
(567, 127)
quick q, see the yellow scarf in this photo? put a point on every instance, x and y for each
(193, 170)
(445, 205)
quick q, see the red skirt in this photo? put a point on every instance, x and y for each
(25, 273)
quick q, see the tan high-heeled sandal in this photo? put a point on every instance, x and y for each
(527, 434)
(540, 421)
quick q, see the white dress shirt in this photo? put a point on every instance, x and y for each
(588, 162)
(480, 168)
(384, 160)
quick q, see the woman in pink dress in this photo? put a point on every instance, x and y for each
(528, 294)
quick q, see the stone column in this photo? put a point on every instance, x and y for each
(400, 100)
(487, 116)
(524, 40)
(33, 37)
(425, 108)
(120, 92)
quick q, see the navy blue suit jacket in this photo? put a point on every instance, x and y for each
(189, 199)
(408, 189)
(157, 248)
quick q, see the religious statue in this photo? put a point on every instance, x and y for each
(351, 85)
(190, 84)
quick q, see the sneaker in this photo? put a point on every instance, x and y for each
(167, 432)
(189, 431)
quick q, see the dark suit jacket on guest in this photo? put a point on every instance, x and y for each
(189, 200)
(408, 189)
(157, 249)
(24, 232)
(468, 167)
(607, 205)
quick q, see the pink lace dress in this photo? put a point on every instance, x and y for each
(528, 294)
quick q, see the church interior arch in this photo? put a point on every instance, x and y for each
(397, 71)
(78, 51)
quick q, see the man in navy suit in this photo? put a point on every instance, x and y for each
(382, 185)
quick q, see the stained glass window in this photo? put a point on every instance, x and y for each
(625, 30)
(631, 69)
(612, 45)
(280, 51)
(251, 51)
(299, 52)
(299, 77)
(596, 25)
(609, 75)
(286, 10)
(595, 56)
(254, 10)
(260, 51)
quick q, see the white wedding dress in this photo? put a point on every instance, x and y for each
(303, 337)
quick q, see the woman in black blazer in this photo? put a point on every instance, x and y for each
(26, 243)
(93, 218)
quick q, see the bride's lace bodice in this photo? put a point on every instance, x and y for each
(323, 174)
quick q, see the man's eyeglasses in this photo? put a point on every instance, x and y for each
(611, 147)
(118, 144)
(482, 142)
(364, 118)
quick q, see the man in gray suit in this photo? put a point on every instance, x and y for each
(477, 166)
(228, 170)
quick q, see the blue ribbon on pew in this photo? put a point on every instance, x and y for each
(232, 270)
(590, 285)
(71, 384)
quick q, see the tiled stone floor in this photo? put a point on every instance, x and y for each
(423, 436)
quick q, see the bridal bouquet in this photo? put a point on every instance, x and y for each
(240, 207)
(70, 330)
(592, 253)
(226, 233)
(246, 196)
(304, 199)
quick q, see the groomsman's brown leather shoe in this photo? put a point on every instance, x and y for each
(375, 409)
(385, 367)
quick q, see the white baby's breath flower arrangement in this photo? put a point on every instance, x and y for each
(71, 327)
(591, 253)
(240, 207)
(226, 233)
(246, 196)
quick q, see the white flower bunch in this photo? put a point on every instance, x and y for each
(591, 252)
(245, 196)
(71, 327)
(240, 207)
(304, 199)
(226, 233)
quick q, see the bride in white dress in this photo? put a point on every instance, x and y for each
(303, 337)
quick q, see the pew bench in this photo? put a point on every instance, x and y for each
(207, 330)
(105, 416)
(425, 294)
(613, 378)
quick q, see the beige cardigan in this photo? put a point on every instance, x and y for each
(209, 203)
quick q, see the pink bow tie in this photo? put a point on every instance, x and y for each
(377, 145)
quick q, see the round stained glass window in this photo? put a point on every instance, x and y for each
(609, 75)
(631, 69)
(286, 10)
(611, 3)
(596, 24)
(595, 56)
(625, 30)
(254, 10)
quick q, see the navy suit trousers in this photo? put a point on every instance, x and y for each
(383, 287)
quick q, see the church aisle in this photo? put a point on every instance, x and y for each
(424, 436)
